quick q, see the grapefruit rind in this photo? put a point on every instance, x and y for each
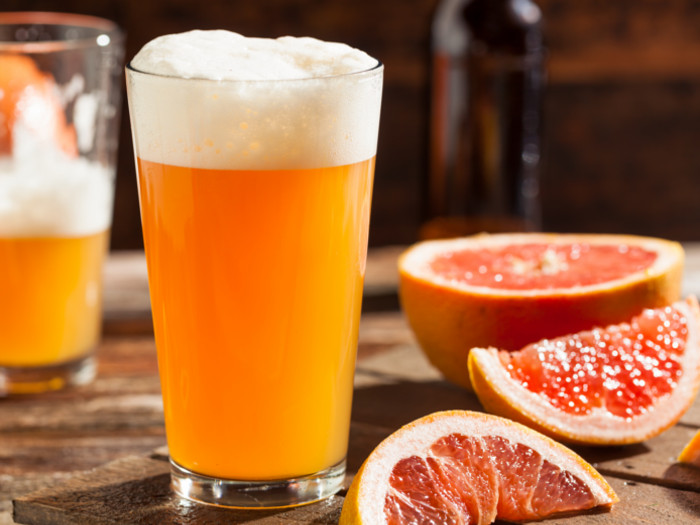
(364, 502)
(500, 394)
(691, 452)
(450, 317)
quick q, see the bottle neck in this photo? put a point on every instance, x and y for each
(503, 26)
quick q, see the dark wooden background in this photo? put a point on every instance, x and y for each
(622, 108)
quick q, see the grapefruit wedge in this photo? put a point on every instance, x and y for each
(608, 386)
(509, 290)
(691, 452)
(471, 468)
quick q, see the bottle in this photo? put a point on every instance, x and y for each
(486, 112)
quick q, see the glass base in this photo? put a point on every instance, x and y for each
(37, 379)
(260, 494)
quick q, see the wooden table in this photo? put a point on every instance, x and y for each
(96, 454)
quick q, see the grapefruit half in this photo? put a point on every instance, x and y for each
(508, 290)
(471, 468)
(608, 386)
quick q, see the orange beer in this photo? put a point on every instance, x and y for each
(59, 101)
(255, 166)
(51, 298)
(256, 286)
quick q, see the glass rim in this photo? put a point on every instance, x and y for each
(50, 18)
(379, 66)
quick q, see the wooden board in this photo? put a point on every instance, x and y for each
(136, 490)
(86, 455)
(394, 386)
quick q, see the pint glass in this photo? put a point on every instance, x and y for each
(59, 111)
(255, 201)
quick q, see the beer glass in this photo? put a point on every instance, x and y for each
(255, 200)
(60, 85)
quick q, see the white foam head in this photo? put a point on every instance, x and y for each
(218, 100)
(51, 195)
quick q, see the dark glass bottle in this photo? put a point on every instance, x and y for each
(487, 90)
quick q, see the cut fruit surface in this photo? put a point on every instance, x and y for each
(621, 384)
(470, 468)
(509, 290)
(691, 453)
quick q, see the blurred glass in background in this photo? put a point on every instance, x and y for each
(60, 89)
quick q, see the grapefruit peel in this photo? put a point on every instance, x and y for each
(449, 317)
(366, 497)
(691, 452)
(500, 394)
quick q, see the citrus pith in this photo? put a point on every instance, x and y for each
(471, 468)
(616, 385)
(509, 290)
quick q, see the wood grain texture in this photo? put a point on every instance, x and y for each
(97, 454)
(641, 504)
(625, 39)
(137, 490)
(614, 147)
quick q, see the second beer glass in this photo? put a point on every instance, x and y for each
(255, 201)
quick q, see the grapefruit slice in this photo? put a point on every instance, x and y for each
(509, 290)
(471, 468)
(691, 453)
(608, 386)
(30, 101)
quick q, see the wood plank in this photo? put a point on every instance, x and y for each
(126, 282)
(13, 486)
(49, 452)
(381, 275)
(606, 138)
(137, 490)
(403, 397)
(653, 461)
(107, 410)
(127, 356)
(591, 40)
(641, 504)
(121, 412)
(381, 408)
(692, 417)
(392, 403)
(381, 332)
(125, 394)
